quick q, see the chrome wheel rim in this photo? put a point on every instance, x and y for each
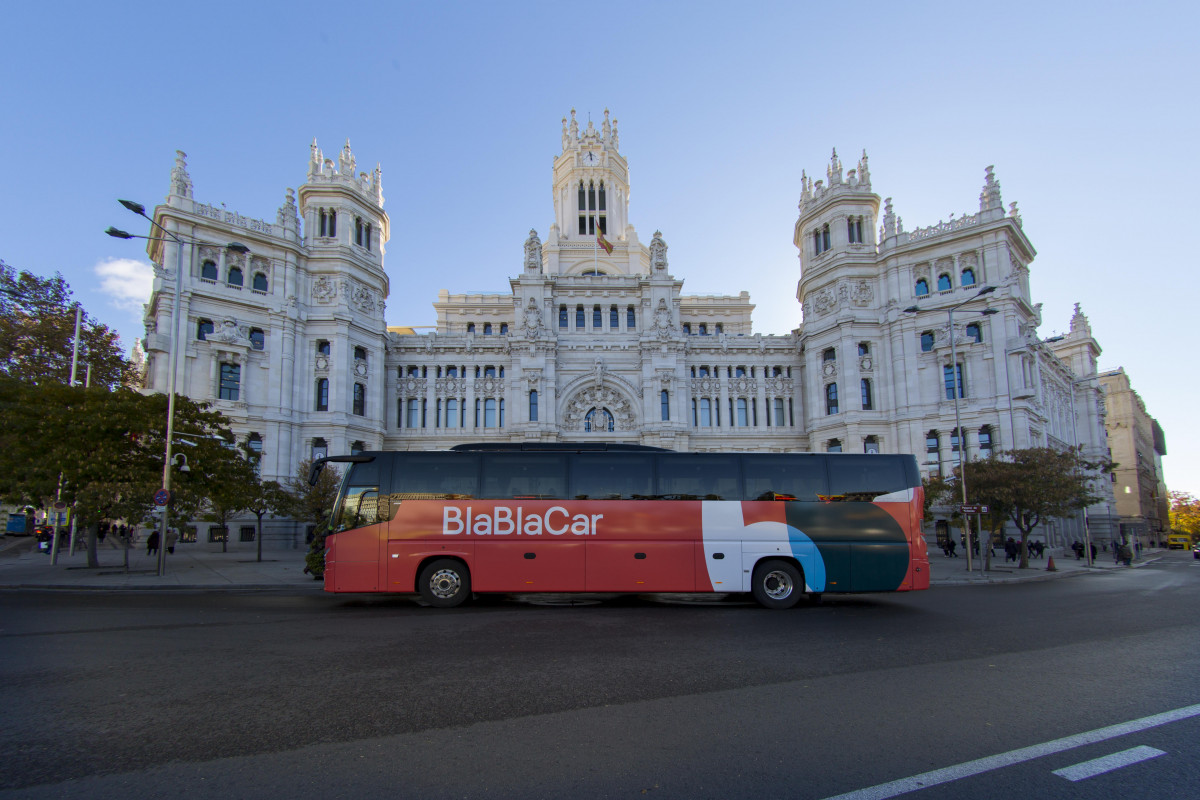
(778, 585)
(444, 584)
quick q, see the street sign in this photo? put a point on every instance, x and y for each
(973, 509)
(162, 497)
(60, 506)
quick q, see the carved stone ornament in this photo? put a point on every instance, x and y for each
(533, 252)
(706, 387)
(665, 378)
(829, 369)
(824, 300)
(410, 386)
(533, 378)
(489, 387)
(324, 291)
(533, 320)
(598, 397)
(321, 365)
(362, 299)
(658, 252)
(865, 364)
(662, 321)
(450, 387)
(230, 332)
(743, 386)
(861, 294)
(360, 369)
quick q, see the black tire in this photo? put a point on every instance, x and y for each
(777, 584)
(445, 583)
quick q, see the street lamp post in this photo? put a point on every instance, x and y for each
(962, 438)
(173, 368)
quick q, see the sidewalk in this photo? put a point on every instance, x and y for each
(953, 571)
(196, 567)
(203, 567)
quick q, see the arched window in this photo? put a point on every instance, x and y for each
(231, 378)
(968, 277)
(579, 317)
(504, 329)
(360, 399)
(260, 282)
(235, 276)
(208, 270)
(867, 401)
(562, 316)
(533, 406)
(487, 329)
(926, 341)
(833, 446)
(922, 288)
(664, 398)
(597, 317)
(203, 328)
(944, 283)
(974, 332)
(831, 398)
(599, 420)
(985, 440)
(258, 339)
(322, 394)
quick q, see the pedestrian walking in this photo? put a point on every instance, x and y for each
(950, 545)
(172, 537)
(152, 544)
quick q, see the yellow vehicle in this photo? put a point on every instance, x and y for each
(1179, 541)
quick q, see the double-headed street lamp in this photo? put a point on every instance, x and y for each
(180, 243)
(956, 372)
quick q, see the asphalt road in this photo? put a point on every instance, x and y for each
(271, 695)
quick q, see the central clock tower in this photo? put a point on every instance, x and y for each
(591, 185)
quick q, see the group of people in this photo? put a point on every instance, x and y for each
(154, 540)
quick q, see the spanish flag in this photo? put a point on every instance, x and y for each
(600, 240)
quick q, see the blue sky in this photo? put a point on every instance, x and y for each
(1087, 111)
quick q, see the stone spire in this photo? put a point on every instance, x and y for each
(377, 183)
(1080, 324)
(989, 198)
(834, 172)
(315, 159)
(889, 219)
(181, 182)
(864, 174)
(346, 161)
(288, 217)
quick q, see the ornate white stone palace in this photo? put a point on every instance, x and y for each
(289, 341)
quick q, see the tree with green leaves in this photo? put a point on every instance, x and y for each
(37, 332)
(313, 503)
(1028, 486)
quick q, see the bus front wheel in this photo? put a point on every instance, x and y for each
(777, 584)
(445, 583)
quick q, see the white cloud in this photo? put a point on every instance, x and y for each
(126, 281)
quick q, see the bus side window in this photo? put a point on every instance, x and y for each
(360, 508)
(797, 476)
(688, 476)
(864, 477)
(526, 475)
(612, 476)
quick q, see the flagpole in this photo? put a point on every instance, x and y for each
(596, 245)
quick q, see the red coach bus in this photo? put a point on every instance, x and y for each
(625, 519)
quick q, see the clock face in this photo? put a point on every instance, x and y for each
(590, 159)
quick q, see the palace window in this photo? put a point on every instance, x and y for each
(413, 418)
(562, 317)
(821, 240)
(204, 327)
(487, 329)
(931, 444)
(864, 349)
(235, 277)
(592, 204)
(254, 444)
(630, 319)
(687, 329)
(231, 377)
(974, 332)
(870, 445)
(320, 449)
(533, 406)
(867, 400)
(452, 418)
(705, 413)
(357, 447)
(703, 329)
(948, 378)
(579, 317)
(854, 226)
(779, 420)
(926, 341)
(260, 282)
(833, 446)
(954, 440)
(328, 222)
(944, 284)
(985, 440)
(828, 355)
(208, 270)
(743, 414)
(360, 354)
(922, 288)
(597, 318)
(968, 277)
(360, 399)
(599, 420)
(258, 339)
(504, 329)
(664, 399)
(322, 394)
(470, 327)
(323, 347)
(831, 398)
(614, 318)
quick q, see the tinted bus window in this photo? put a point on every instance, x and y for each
(784, 476)
(435, 476)
(361, 506)
(684, 476)
(525, 475)
(613, 476)
(865, 477)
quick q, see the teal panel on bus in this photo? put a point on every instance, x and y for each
(878, 567)
(844, 522)
(838, 577)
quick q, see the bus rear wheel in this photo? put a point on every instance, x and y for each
(445, 583)
(777, 584)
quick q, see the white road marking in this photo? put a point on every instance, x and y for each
(971, 768)
(1098, 766)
